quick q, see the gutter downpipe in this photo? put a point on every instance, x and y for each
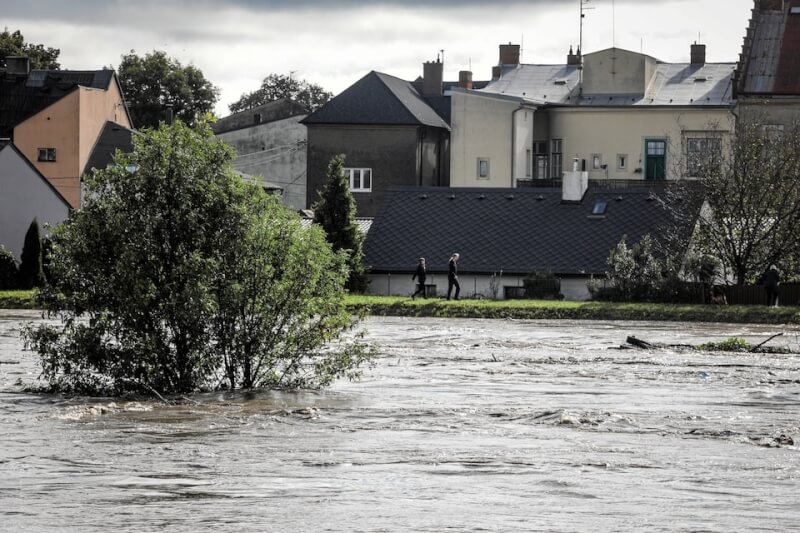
(521, 107)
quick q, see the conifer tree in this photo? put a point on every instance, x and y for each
(335, 211)
(31, 273)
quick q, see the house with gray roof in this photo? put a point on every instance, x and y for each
(768, 72)
(509, 233)
(392, 133)
(622, 115)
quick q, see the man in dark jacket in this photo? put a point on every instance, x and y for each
(419, 275)
(452, 276)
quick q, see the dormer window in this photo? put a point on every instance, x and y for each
(599, 208)
(47, 154)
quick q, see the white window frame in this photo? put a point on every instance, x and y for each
(622, 161)
(699, 148)
(356, 178)
(597, 161)
(483, 169)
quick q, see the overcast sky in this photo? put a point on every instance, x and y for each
(236, 43)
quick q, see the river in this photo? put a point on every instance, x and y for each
(461, 425)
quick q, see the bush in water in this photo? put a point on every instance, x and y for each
(178, 276)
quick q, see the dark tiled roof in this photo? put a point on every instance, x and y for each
(770, 60)
(516, 230)
(269, 112)
(378, 99)
(112, 137)
(24, 96)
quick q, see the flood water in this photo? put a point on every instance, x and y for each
(462, 425)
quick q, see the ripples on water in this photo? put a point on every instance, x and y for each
(461, 425)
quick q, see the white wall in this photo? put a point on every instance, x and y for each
(24, 195)
(471, 285)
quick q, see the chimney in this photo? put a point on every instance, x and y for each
(432, 73)
(572, 58)
(465, 79)
(698, 54)
(574, 183)
(18, 65)
(168, 115)
(509, 54)
(496, 71)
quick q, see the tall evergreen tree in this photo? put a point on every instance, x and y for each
(335, 211)
(31, 273)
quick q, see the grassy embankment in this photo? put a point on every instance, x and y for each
(529, 309)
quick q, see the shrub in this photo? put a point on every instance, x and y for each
(30, 268)
(8, 269)
(542, 286)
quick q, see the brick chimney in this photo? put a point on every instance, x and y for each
(432, 73)
(496, 71)
(698, 54)
(465, 79)
(509, 54)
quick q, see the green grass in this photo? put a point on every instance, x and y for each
(566, 310)
(529, 309)
(18, 299)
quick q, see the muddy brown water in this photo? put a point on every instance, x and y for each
(461, 425)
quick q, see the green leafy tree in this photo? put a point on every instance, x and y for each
(277, 86)
(8, 269)
(152, 82)
(42, 57)
(179, 277)
(752, 187)
(335, 211)
(31, 273)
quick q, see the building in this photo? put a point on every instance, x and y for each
(392, 133)
(768, 72)
(270, 143)
(25, 194)
(624, 116)
(54, 118)
(504, 234)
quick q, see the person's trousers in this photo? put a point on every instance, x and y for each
(453, 282)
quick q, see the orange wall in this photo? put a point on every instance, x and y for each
(71, 126)
(56, 126)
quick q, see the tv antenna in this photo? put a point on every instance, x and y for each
(583, 3)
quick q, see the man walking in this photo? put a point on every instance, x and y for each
(452, 276)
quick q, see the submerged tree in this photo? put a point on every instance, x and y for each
(178, 277)
(335, 211)
(752, 186)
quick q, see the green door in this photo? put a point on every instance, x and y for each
(655, 159)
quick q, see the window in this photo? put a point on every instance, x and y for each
(701, 151)
(528, 164)
(540, 160)
(599, 208)
(622, 161)
(483, 168)
(47, 154)
(597, 161)
(360, 179)
(655, 159)
(557, 157)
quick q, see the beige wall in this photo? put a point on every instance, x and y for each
(71, 126)
(617, 71)
(610, 132)
(485, 127)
